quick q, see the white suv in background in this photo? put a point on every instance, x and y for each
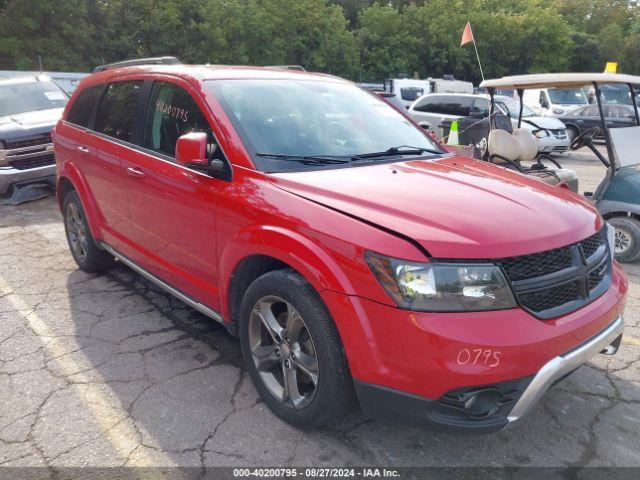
(434, 109)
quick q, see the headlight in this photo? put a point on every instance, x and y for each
(558, 111)
(442, 287)
(611, 239)
(541, 133)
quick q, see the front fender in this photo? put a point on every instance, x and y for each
(308, 258)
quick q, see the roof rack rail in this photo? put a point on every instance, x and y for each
(288, 67)
(139, 61)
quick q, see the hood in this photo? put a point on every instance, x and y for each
(22, 124)
(550, 123)
(453, 207)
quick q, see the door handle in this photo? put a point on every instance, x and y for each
(83, 149)
(134, 172)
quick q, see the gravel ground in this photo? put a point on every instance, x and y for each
(107, 370)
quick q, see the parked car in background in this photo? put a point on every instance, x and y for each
(29, 109)
(550, 132)
(68, 81)
(585, 118)
(435, 109)
(554, 101)
(344, 247)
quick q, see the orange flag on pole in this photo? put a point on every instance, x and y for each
(467, 35)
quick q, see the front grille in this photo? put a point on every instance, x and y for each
(590, 245)
(34, 162)
(597, 275)
(558, 281)
(27, 142)
(537, 264)
(549, 298)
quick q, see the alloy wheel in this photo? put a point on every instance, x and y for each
(283, 351)
(622, 241)
(76, 232)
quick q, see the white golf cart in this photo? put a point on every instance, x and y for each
(618, 194)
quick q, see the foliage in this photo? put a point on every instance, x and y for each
(359, 39)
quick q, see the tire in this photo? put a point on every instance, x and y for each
(627, 238)
(572, 133)
(312, 335)
(89, 257)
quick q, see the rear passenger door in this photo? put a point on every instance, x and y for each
(172, 208)
(107, 113)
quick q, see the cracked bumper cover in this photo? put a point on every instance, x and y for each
(519, 396)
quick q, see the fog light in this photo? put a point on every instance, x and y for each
(470, 401)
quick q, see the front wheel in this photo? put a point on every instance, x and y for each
(627, 238)
(292, 351)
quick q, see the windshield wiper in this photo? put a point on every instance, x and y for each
(308, 159)
(395, 151)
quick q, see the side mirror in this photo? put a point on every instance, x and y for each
(191, 152)
(544, 104)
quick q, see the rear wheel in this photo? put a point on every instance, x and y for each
(627, 238)
(292, 351)
(84, 250)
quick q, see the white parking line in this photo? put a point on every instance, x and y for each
(630, 340)
(121, 435)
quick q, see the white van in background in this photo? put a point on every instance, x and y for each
(554, 101)
(409, 90)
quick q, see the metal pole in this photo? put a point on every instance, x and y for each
(520, 94)
(607, 137)
(634, 102)
(478, 57)
(492, 107)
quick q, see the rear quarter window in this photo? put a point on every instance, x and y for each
(447, 105)
(117, 111)
(82, 108)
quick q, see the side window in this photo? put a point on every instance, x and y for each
(172, 112)
(82, 108)
(117, 111)
(460, 106)
(426, 105)
(481, 108)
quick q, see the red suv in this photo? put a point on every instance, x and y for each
(351, 255)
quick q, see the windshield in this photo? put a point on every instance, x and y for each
(567, 96)
(513, 109)
(313, 118)
(27, 97)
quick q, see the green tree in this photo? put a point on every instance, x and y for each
(385, 42)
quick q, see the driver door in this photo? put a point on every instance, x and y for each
(172, 208)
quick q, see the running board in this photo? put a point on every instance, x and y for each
(165, 286)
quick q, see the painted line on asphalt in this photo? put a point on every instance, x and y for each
(630, 340)
(120, 434)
